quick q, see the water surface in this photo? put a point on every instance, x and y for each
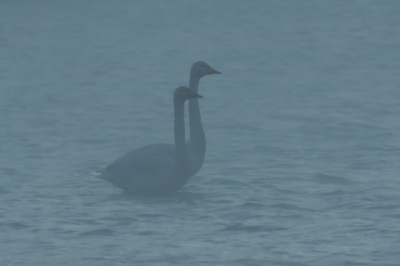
(302, 131)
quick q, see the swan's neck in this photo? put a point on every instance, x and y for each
(182, 165)
(194, 83)
(196, 129)
(197, 141)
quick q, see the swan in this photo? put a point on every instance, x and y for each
(196, 146)
(197, 141)
(156, 168)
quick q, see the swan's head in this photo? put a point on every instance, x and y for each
(184, 93)
(201, 69)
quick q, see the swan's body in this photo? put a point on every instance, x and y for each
(156, 169)
(150, 169)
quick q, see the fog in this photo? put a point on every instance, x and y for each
(301, 128)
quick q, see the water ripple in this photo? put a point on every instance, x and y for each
(98, 232)
(330, 179)
(252, 228)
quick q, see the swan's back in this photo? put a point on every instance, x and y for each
(148, 170)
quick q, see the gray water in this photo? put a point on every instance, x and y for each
(302, 164)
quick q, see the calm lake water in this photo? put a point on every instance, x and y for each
(302, 164)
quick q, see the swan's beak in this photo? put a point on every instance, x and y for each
(192, 94)
(211, 70)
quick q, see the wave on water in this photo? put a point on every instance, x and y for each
(16, 225)
(330, 179)
(252, 228)
(98, 232)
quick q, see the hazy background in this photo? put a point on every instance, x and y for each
(303, 147)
